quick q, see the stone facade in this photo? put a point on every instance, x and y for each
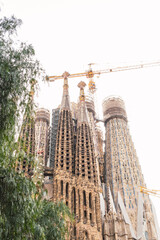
(27, 144)
(42, 121)
(75, 178)
(34, 141)
(53, 134)
(101, 190)
(123, 175)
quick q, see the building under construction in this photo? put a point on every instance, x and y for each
(101, 188)
(42, 123)
(27, 144)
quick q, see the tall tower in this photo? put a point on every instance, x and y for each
(91, 116)
(123, 175)
(88, 210)
(96, 134)
(54, 127)
(42, 121)
(64, 182)
(27, 144)
(100, 156)
(75, 179)
(27, 134)
(64, 166)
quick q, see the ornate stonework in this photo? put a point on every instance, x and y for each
(123, 173)
(75, 179)
(101, 191)
(42, 121)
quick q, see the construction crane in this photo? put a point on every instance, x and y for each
(90, 73)
(151, 192)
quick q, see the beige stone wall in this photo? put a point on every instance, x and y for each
(123, 172)
(42, 121)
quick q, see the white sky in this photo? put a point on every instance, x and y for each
(67, 35)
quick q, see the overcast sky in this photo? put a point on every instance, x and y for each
(67, 35)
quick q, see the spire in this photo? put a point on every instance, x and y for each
(65, 105)
(85, 157)
(110, 202)
(82, 113)
(65, 136)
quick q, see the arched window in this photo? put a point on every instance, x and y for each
(56, 187)
(85, 236)
(67, 190)
(84, 198)
(85, 215)
(90, 215)
(79, 201)
(62, 188)
(73, 201)
(90, 200)
(96, 210)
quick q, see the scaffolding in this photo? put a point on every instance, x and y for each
(27, 144)
(42, 121)
(114, 107)
(55, 119)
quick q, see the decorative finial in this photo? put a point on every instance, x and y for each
(65, 104)
(81, 85)
(65, 76)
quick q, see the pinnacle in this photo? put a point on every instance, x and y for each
(81, 84)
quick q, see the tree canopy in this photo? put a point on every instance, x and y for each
(24, 214)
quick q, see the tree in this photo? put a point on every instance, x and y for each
(23, 212)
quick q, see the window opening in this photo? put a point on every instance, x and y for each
(62, 188)
(84, 198)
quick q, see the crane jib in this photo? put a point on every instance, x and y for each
(90, 73)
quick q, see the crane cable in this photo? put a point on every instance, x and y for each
(151, 192)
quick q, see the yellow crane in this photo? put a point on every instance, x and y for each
(151, 192)
(92, 88)
(90, 73)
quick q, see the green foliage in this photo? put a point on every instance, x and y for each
(17, 68)
(18, 206)
(23, 212)
(57, 213)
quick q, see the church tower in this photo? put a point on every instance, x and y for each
(42, 120)
(102, 191)
(27, 135)
(123, 174)
(105, 206)
(89, 224)
(75, 178)
(64, 166)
